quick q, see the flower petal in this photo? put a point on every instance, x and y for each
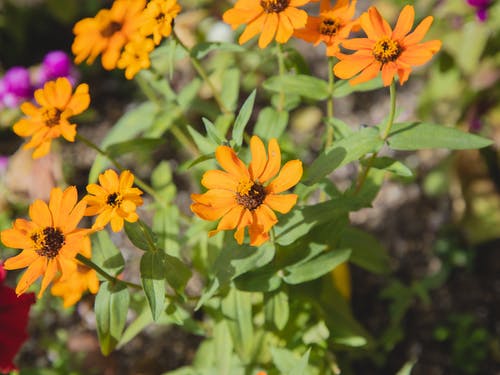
(259, 158)
(418, 34)
(34, 271)
(216, 179)
(273, 161)
(40, 213)
(289, 176)
(50, 273)
(404, 23)
(230, 162)
(352, 65)
(22, 260)
(269, 29)
(281, 203)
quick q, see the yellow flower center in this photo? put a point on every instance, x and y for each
(329, 26)
(274, 6)
(386, 50)
(114, 200)
(51, 117)
(48, 241)
(250, 194)
(111, 28)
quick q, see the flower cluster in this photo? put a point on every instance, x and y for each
(18, 83)
(121, 34)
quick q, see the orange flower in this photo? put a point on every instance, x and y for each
(392, 52)
(115, 200)
(240, 195)
(50, 241)
(332, 27)
(50, 121)
(107, 32)
(72, 287)
(135, 57)
(271, 18)
(158, 17)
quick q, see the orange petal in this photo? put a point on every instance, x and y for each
(379, 24)
(418, 34)
(230, 162)
(273, 161)
(351, 66)
(298, 17)
(50, 273)
(231, 219)
(252, 29)
(281, 203)
(126, 180)
(257, 235)
(259, 158)
(268, 30)
(15, 239)
(40, 213)
(404, 23)
(370, 72)
(388, 72)
(42, 150)
(285, 28)
(358, 43)
(264, 216)
(289, 176)
(22, 260)
(109, 180)
(415, 56)
(80, 100)
(75, 217)
(216, 179)
(116, 223)
(34, 271)
(209, 213)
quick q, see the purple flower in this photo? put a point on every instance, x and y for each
(15, 86)
(55, 64)
(481, 8)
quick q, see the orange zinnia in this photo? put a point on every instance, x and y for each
(50, 121)
(392, 52)
(158, 18)
(268, 17)
(72, 287)
(135, 57)
(50, 241)
(332, 27)
(107, 32)
(240, 195)
(115, 200)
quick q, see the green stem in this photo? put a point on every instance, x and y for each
(89, 263)
(385, 135)
(281, 69)
(330, 136)
(148, 90)
(203, 74)
(143, 185)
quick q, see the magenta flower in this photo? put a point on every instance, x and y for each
(481, 8)
(15, 87)
(55, 64)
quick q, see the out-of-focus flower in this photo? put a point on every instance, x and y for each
(107, 33)
(50, 241)
(72, 287)
(273, 19)
(55, 64)
(158, 18)
(15, 87)
(135, 57)
(58, 103)
(114, 200)
(242, 197)
(481, 8)
(14, 314)
(332, 27)
(385, 50)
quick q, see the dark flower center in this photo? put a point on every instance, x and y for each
(250, 194)
(329, 26)
(113, 200)
(110, 29)
(52, 117)
(274, 6)
(48, 242)
(386, 50)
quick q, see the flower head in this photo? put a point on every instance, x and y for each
(72, 287)
(246, 197)
(51, 119)
(107, 32)
(332, 27)
(55, 64)
(135, 57)
(114, 200)
(15, 87)
(481, 8)
(14, 315)
(272, 18)
(50, 241)
(158, 17)
(385, 50)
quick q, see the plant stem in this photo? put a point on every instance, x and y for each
(203, 74)
(330, 136)
(281, 69)
(89, 263)
(143, 185)
(385, 135)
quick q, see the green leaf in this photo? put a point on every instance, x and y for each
(132, 123)
(367, 252)
(166, 228)
(105, 254)
(277, 309)
(316, 267)
(177, 273)
(153, 281)
(417, 136)
(230, 88)
(204, 144)
(134, 145)
(223, 347)
(264, 279)
(287, 362)
(212, 131)
(242, 119)
(389, 164)
(271, 123)
(300, 84)
(188, 94)
(202, 49)
(352, 147)
(111, 306)
(141, 235)
(344, 88)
